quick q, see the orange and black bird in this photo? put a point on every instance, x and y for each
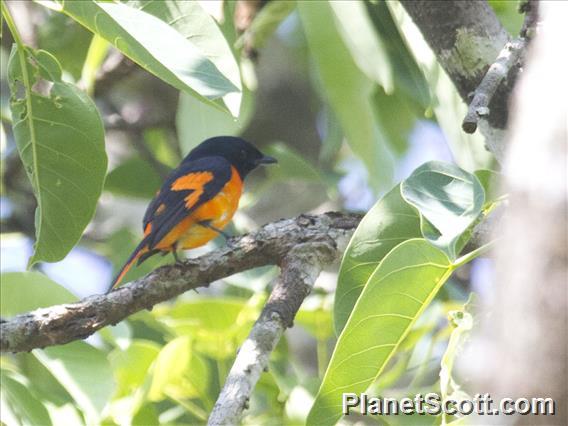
(197, 200)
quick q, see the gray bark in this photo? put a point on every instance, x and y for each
(270, 245)
(522, 348)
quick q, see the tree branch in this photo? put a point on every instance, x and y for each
(466, 37)
(269, 245)
(479, 106)
(300, 269)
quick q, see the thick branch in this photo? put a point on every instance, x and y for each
(300, 268)
(270, 245)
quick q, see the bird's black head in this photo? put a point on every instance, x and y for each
(241, 154)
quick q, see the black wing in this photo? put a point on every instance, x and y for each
(186, 188)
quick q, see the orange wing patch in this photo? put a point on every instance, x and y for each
(193, 182)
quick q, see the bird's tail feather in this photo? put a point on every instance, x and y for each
(140, 250)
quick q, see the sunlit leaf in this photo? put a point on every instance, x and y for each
(18, 405)
(25, 291)
(180, 373)
(154, 45)
(396, 294)
(60, 139)
(190, 20)
(217, 326)
(448, 199)
(130, 366)
(390, 222)
(84, 372)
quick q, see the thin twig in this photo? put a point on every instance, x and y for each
(479, 106)
(300, 268)
(509, 56)
(269, 245)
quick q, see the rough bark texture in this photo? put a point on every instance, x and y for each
(522, 349)
(466, 37)
(300, 268)
(269, 245)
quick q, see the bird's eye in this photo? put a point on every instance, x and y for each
(243, 154)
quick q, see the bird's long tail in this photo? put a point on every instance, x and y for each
(139, 251)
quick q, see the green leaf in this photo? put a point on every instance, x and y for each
(130, 366)
(84, 372)
(134, 178)
(180, 373)
(315, 319)
(197, 121)
(363, 41)
(489, 180)
(291, 164)
(154, 45)
(390, 222)
(217, 326)
(60, 138)
(265, 24)
(407, 76)
(395, 117)
(66, 40)
(96, 54)
(449, 201)
(198, 27)
(25, 291)
(19, 405)
(347, 90)
(399, 290)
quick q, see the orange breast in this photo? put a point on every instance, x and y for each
(219, 211)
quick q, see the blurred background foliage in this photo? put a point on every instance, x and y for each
(350, 103)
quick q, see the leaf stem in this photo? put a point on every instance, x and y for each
(28, 90)
(321, 350)
(466, 258)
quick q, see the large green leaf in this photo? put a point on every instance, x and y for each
(396, 294)
(291, 164)
(390, 222)
(217, 326)
(347, 90)
(200, 29)
(449, 201)
(126, 178)
(84, 372)
(265, 24)
(18, 405)
(363, 41)
(130, 366)
(197, 121)
(60, 138)
(154, 45)
(25, 291)
(180, 373)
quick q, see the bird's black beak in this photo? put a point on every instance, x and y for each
(266, 160)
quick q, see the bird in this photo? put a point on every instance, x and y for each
(197, 199)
